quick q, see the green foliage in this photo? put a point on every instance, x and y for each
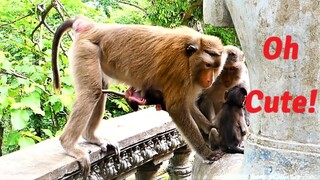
(167, 13)
(117, 106)
(127, 14)
(227, 35)
(104, 5)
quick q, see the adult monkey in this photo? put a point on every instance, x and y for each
(179, 63)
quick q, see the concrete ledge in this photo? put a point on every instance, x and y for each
(228, 167)
(142, 137)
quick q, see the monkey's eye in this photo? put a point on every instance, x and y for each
(191, 49)
(232, 53)
(216, 65)
(207, 65)
(213, 54)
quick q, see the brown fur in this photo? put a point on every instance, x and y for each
(230, 125)
(179, 63)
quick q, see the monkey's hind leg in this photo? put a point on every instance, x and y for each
(87, 79)
(72, 132)
(92, 125)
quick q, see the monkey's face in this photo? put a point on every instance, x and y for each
(208, 61)
(236, 95)
(230, 74)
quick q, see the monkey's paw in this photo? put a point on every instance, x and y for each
(85, 166)
(215, 156)
(103, 143)
(82, 158)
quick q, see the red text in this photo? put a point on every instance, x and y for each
(288, 46)
(271, 104)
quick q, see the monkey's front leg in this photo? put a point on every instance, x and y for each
(206, 107)
(202, 122)
(189, 129)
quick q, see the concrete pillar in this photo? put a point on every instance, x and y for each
(281, 145)
(216, 12)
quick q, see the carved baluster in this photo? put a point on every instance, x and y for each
(110, 168)
(179, 165)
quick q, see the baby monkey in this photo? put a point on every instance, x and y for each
(230, 124)
(134, 97)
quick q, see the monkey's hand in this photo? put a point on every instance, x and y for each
(215, 156)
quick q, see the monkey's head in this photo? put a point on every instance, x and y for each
(233, 67)
(236, 95)
(235, 55)
(207, 57)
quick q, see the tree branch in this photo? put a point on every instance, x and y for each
(43, 17)
(1, 137)
(15, 74)
(134, 5)
(12, 22)
(188, 13)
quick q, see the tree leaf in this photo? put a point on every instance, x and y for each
(19, 119)
(65, 99)
(17, 105)
(33, 102)
(13, 138)
(25, 142)
(29, 89)
(4, 62)
(48, 132)
(58, 133)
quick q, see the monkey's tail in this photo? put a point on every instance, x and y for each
(65, 26)
(113, 92)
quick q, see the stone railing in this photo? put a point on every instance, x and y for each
(146, 138)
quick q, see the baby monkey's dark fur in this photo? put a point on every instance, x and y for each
(230, 124)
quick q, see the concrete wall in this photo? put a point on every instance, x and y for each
(280, 144)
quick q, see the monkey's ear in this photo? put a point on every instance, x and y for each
(244, 91)
(191, 49)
